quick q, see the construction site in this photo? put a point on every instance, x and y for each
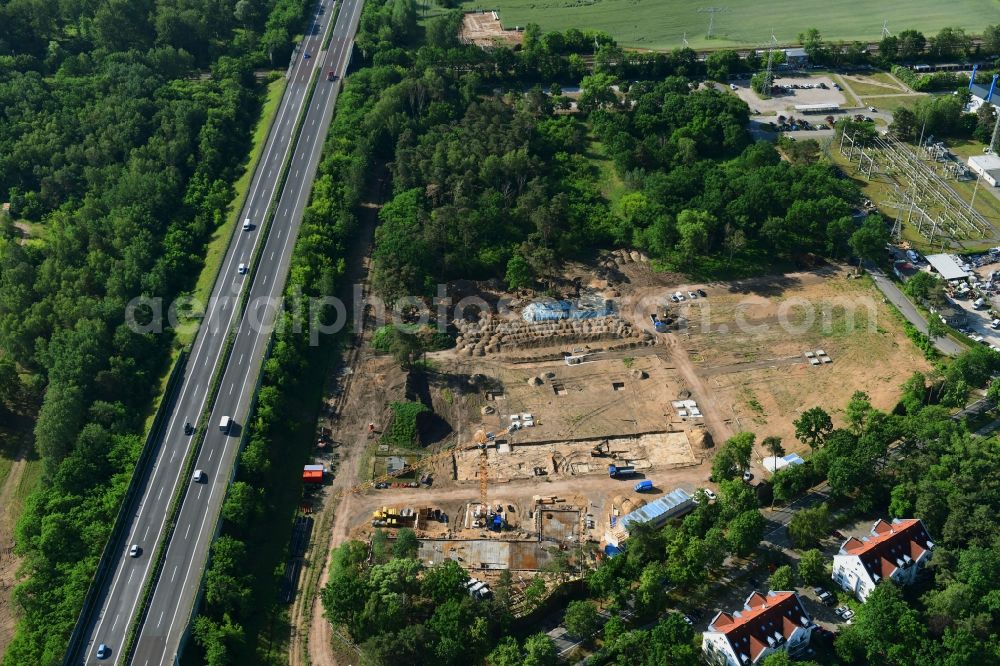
(556, 419)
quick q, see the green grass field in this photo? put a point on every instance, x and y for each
(655, 24)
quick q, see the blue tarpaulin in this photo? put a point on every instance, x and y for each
(556, 310)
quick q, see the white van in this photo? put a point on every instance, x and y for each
(225, 423)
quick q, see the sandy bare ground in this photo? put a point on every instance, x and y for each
(9, 563)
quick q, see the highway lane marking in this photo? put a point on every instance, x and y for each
(159, 494)
(241, 360)
(313, 122)
(187, 574)
(172, 456)
(187, 531)
(130, 576)
(272, 258)
(297, 173)
(197, 387)
(174, 574)
(199, 497)
(279, 233)
(265, 279)
(293, 104)
(115, 623)
(161, 619)
(286, 211)
(269, 173)
(231, 388)
(146, 533)
(210, 454)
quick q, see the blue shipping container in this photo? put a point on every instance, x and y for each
(643, 485)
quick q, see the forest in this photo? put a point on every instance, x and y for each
(505, 185)
(123, 126)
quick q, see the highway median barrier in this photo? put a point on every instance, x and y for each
(105, 563)
(204, 418)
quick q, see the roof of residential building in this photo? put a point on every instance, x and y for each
(891, 546)
(765, 621)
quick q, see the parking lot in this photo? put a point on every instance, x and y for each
(809, 91)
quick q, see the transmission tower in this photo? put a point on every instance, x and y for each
(769, 72)
(885, 28)
(711, 11)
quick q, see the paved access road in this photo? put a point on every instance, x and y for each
(944, 345)
(176, 591)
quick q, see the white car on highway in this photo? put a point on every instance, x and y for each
(242, 269)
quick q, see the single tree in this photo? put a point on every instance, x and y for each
(812, 567)
(773, 446)
(783, 578)
(808, 526)
(582, 619)
(813, 426)
(406, 544)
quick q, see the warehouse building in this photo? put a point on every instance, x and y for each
(988, 167)
(656, 514)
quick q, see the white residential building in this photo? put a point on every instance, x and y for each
(896, 550)
(766, 624)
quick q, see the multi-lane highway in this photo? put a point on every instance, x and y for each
(170, 608)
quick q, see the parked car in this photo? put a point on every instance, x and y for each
(382, 485)
(701, 292)
(747, 477)
(692, 295)
(825, 596)
(710, 494)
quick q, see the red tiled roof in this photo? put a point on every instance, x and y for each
(891, 541)
(780, 612)
(723, 620)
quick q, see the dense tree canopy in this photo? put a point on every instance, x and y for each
(123, 156)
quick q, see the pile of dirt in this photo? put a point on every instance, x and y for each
(700, 438)
(492, 334)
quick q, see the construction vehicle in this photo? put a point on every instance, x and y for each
(601, 450)
(620, 471)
